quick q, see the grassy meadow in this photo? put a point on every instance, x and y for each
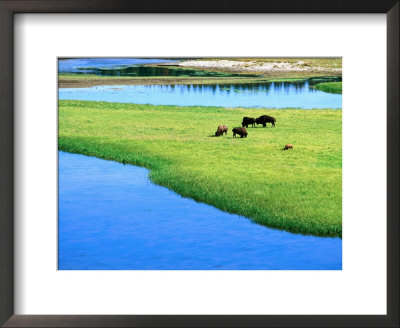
(332, 87)
(298, 190)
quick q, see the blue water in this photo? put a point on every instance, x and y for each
(88, 65)
(270, 95)
(134, 67)
(111, 217)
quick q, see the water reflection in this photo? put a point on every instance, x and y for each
(86, 65)
(133, 67)
(155, 71)
(299, 94)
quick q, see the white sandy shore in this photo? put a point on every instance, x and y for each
(233, 65)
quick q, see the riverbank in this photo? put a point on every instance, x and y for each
(268, 67)
(112, 215)
(90, 80)
(332, 87)
(297, 190)
(85, 80)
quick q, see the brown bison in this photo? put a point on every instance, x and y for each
(288, 146)
(248, 121)
(221, 130)
(264, 119)
(240, 131)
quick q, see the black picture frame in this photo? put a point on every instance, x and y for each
(10, 7)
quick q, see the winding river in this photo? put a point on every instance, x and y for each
(119, 220)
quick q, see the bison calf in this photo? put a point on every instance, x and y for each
(248, 121)
(240, 131)
(288, 146)
(264, 119)
(221, 130)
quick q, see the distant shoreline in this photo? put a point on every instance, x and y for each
(267, 66)
(266, 69)
(85, 81)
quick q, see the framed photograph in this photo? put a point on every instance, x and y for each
(199, 164)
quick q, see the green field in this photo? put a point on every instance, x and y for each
(332, 87)
(297, 190)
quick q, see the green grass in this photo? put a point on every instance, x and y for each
(332, 87)
(297, 190)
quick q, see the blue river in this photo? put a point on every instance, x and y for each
(111, 217)
(267, 95)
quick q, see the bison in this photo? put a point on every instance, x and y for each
(248, 121)
(240, 131)
(288, 146)
(221, 130)
(264, 119)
